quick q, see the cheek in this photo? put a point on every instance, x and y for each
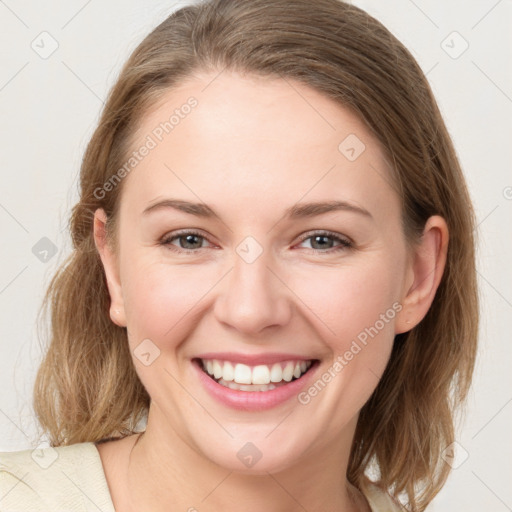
(355, 308)
(161, 299)
(162, 304)
(348, 299)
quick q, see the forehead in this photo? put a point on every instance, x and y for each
(250, 139)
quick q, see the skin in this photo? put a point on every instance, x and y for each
(252, 148)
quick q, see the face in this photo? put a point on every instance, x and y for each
(224, 256)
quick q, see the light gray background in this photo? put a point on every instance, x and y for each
(49, 107)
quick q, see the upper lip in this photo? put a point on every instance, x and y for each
(253, 359)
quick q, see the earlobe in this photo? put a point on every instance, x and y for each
(424, 273)
(109, 261)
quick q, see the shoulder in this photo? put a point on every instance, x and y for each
(379, 499)
(61, 478)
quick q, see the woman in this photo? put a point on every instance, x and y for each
(273, 267)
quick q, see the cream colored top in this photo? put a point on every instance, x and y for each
(72, 479)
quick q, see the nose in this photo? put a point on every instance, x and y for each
(253, 297)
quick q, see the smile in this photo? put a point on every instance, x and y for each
(254, 378)
(234, 384)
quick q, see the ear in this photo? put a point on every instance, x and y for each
(424, 272)
(109, 260)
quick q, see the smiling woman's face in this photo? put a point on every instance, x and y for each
(263, 279)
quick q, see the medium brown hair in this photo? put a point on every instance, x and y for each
(87, 389)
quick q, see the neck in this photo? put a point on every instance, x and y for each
(165, 471)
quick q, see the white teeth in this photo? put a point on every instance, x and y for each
(276, 373)
(260, 376)
(228, 372)
(246, 387)
(288, 372)
(217, 369)
(243, 374)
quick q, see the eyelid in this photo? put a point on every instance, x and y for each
(324, 232)
(345, 242)
(165, 240)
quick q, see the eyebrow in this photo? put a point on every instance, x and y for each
(296, 211)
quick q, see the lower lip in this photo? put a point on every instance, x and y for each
(254, 400)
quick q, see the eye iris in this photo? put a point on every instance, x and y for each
(192, 241)
(189, 239)
(322, 245)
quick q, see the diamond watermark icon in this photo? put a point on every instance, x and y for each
(44, 250)
(455, 455)
(44, 456)
(249, 454)
(351, 147)
(454, 45)
(249, 249)
(44, 45)
(146, 352)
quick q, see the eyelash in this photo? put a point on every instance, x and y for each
(345, 243)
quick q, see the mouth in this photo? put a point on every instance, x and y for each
(254, 378)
